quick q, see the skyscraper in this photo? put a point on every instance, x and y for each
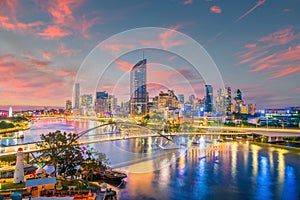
(68, 107)
(238, 101)
(138, 89)
(77, 96)
(228, 99)
(208, 98)
(101, 103)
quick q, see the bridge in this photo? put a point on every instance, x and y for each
(131, 130)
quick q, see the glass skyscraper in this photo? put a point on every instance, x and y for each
(208, 98)
(138, 89)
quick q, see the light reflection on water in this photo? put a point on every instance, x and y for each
(207, 171)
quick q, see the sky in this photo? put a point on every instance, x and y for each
(255, 45)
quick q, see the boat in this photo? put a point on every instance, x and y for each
(239, 138)
(195, 142)
(111, 175)
(219, 140)
(228, 139)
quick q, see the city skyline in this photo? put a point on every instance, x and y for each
(43, 49)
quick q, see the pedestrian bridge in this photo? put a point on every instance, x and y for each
(113, 131)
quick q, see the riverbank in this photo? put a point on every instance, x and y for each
(281, 146)
(16, 129)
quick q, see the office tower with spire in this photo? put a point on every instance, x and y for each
(138, 89)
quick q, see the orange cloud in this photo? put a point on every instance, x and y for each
(216, 9)
(54, 32)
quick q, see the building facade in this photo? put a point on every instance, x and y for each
(138, 89)
(208, 98)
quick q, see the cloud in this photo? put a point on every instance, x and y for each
(47, 55)
(250, 45)
(29, 79)
(216, 9)
(167, 39)
(52, 32)
(259, 3)
(291, 69)
(298, 89)
(62, 12)
(123, 65)
(270, 53)
(69, 52)
(187, 2)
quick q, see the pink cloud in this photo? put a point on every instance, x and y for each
(187, 2)
(167, 39)
(47, 55)
(123, 65)
(250, 45)
(291, 69)
(298, 89)
(63, 15)
(259, 3)
(52, 32)
(63, 50)
(281, 61)
(17, 81)
(216, 9)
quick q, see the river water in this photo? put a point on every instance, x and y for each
(227, 170)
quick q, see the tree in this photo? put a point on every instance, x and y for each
(94, 161)
(59, 150)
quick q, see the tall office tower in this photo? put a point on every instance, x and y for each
(68, 107)
(238, 101)
(181, 98)
(208, 98)
(228, 99)
(77, 96)
(101, 103)
(220, 101)
(138, 89)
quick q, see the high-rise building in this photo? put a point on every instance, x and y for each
(220, 101)
(138, 89)
(238, 101)
(86, 100)
(77, 96)
(101, 103)
(68, 107)
(228, 99)
(208, 98)
(181, 98)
